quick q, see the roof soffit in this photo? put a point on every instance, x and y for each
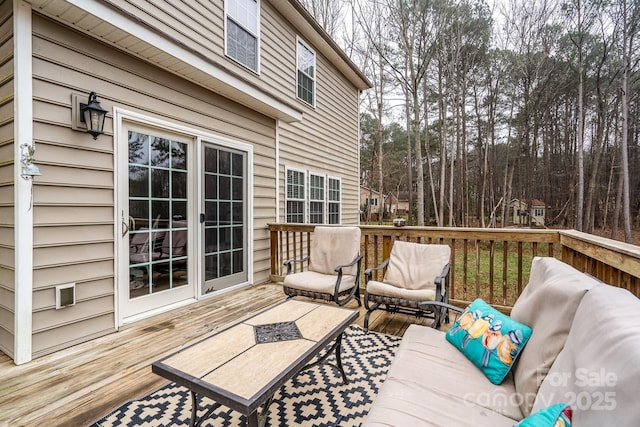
(117, 28)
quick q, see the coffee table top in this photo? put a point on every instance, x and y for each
(242, 366)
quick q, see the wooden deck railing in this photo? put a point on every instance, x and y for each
(492, 264)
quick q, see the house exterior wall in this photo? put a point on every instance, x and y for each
(7, 244)
(323, 142)
(165, 61)
(74, 198)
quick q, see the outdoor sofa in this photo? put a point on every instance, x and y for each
(584, 351)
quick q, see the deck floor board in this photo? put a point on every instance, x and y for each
(78, 385)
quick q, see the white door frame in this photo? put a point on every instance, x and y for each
(196, 275)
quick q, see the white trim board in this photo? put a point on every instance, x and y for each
(23, 191)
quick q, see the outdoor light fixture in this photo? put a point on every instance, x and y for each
(29, 170)
(92, 114)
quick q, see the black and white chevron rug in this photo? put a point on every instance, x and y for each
(316, 397)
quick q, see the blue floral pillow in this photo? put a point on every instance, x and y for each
(558, 415)
(490, 339)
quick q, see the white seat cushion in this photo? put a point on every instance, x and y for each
(431, 383)
(387, 290)
(317, 282)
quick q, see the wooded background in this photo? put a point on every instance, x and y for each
(475, 104)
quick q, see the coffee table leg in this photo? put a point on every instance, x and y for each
(195, 422)
(339, 358)
(337, 348)
(252, 419)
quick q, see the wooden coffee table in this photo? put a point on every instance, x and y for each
(242, 367)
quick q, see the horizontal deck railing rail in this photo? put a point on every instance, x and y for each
(492, 264)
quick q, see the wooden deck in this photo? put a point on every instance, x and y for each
(76, 386)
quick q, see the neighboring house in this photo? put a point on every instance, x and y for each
(373, 203)
(524, 213)
(222, 117)
(403, 203)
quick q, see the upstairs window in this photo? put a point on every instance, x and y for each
(295, 196)
(242, 32)
(306, 74)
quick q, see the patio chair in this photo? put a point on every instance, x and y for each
(334, 267)
(416, 274)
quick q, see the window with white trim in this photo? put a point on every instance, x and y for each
(316, 199)
(295, 199)
(242, 29)
(306, 78)
(333, 202)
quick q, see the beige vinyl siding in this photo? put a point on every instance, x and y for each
(326, 141)
(74, 197)
(7, 244)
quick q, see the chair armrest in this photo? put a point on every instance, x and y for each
(438, 282)
(352, 263)
(369, 271)
(289, 262)
(425, 304)
(441, 314)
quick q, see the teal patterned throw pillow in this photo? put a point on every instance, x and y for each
(490, 339)
(558, 415)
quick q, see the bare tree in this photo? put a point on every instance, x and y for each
(328, 13)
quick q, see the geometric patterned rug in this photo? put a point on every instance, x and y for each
(315, 397)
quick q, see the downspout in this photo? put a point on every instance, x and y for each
(23, 188)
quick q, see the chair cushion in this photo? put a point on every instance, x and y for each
(387, 290)
(317, 282)
(490, 339)
(416, 265)
(597, 371)
(334, 246)
(547, 304)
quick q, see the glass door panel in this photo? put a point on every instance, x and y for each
(225, 216)
(158, 220)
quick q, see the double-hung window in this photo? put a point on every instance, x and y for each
(316, 199)
(333, 200)
(242, 32)
(306, 73)
(318, 194)
(295, 196)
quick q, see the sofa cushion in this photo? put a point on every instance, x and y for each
(558, 415)
(416, 265)
(490, 339)
(547, 304)
(402, 402)
(430, 380)
(597, 372)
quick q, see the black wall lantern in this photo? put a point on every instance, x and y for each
(93, 115)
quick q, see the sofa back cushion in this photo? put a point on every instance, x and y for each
(597, 372)
(547, 304)
(334, 246)
(415, 266)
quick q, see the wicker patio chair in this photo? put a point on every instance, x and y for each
(334, 267)
(415, 275)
